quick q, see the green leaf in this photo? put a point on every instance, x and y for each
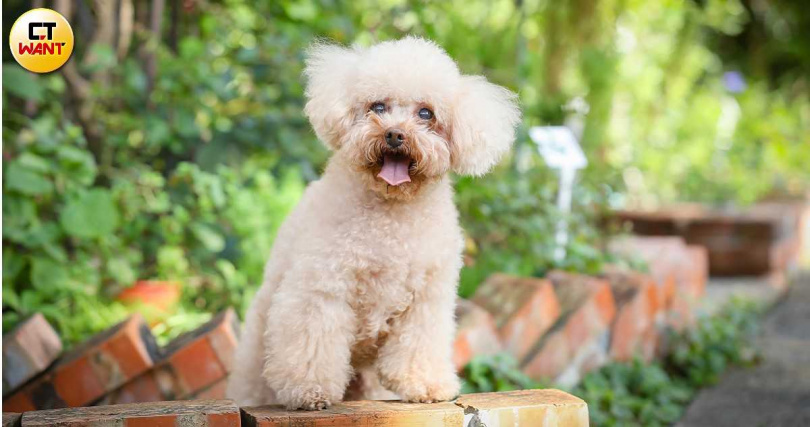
(212, 240)
(92, 214)
(121, 271)
(34, 163)
(21, 83)
(77, 164)
(303, 10)
(26, 181)
(48, 275)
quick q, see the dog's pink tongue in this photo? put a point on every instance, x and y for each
(395, 169)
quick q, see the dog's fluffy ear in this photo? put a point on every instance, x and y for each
(328, 72)
(483, 125)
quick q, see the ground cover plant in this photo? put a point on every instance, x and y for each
(645, 394)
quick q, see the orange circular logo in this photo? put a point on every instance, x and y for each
(41, 40)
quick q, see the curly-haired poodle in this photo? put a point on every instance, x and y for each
(359, 292)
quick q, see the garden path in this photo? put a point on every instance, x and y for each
(777, 391)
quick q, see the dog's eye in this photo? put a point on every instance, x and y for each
(378, 108)
(425, 114)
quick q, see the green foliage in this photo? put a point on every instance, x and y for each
(656, 394)
(77, 243)
(639, 393)
(511, 216)
(494, 373)
(701, 355)
(634, 393)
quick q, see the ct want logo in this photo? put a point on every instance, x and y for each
(41, 40)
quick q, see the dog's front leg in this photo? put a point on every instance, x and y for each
(416, 360)
(308, 340)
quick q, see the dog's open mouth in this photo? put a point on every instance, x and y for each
(395, 169)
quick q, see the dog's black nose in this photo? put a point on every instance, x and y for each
(394, 137)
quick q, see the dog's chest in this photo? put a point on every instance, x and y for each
(379, 298)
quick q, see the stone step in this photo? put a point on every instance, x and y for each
(198, 413)
(525, 408)
(11, 419)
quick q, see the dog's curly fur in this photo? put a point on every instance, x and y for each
(359, 292)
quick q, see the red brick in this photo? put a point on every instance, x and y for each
(739, 241)
(578, 340)
(551, 359)
(634, 330)
(197, 365)
(28, 350)
(144, 388)
(216, 391)
(691, 285)
(523, 308)
(77, 383)
(684, 267)
(153, 421)
(99, 365)
(193, 363)
(476, 334)
(198, 413)
(19, 402)
(223, 420)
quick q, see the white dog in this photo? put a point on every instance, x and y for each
(361, 282)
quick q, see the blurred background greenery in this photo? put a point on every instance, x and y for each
(173, 144)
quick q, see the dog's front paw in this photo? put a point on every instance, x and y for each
(429, 391)
(306, 399)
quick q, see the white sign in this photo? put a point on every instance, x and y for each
(558, 146)
(560, 149)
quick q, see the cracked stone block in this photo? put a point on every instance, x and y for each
(550, 408)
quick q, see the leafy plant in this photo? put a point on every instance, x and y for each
(78, 243)
(637, 393)
(702, 354)
(656, 394)
(511, 219)
(498, 372)
(634, 393)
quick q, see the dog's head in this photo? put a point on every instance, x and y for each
(402, 113)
